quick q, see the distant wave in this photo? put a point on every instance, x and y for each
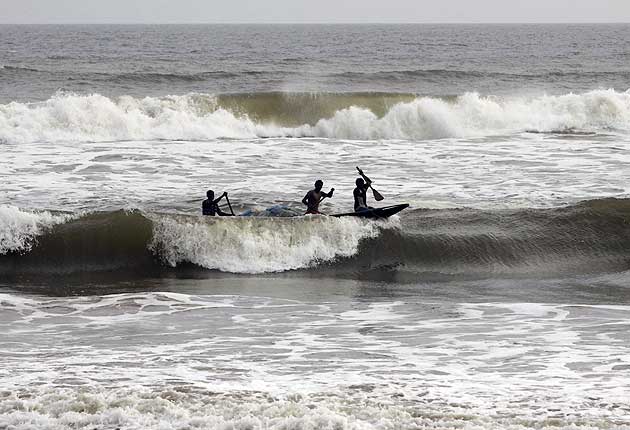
(592, 236)
(18, 69)
(365, 116)
(164, 77)
(391, 76)
(441, 74)
(129, 77)
(406, 74)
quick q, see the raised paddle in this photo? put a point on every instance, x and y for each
(377, 196)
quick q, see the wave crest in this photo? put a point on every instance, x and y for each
(589, 237)
(473, 115)
(75, 118)
(19, 229)
(106, 241)
(250, 245)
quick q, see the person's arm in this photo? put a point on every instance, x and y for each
(367, 180)
(329, 194)
(216, 201)
(305, 199)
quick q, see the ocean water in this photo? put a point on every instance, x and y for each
(498, 300)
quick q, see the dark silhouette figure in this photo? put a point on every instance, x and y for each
(313, 198)
(211, 205)
(360, 192)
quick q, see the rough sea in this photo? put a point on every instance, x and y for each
(499, 300)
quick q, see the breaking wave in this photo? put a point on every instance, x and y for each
(590, 237)
(365, 116)
(19, 229)
(132, 240)
(251, 245)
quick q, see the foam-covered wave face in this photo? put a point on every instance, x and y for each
(98, 118)
(473, 115)
(590, 237)
(19, 229)
(106, 241)
(203, 117)
(251, 245)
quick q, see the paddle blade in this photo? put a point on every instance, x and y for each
(377, 196)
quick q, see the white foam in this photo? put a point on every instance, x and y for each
(251, 245)
(19, 229)
(289, 364)
(110, 309)
(376, 312)
(473, 115)
(74, 118)
(174, 409)
(67, 117)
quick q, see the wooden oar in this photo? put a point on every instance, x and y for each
(377, 196)
(229, 205)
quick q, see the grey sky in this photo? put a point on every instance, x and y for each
(187, 11)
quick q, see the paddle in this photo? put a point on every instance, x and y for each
(377, 196)
(229, 205)
(323, 197)
(329, 192)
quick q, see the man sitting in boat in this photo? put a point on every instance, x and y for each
(360, 192)
(211, 206)
(313, 198)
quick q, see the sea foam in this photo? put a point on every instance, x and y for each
(472, 115)
(19, 229)
(250, 245)
(77, 118)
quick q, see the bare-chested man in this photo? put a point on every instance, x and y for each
(313, 198)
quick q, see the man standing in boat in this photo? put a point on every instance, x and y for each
(313, 198)
(211, 205)
(360, 192)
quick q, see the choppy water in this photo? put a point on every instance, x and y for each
(433, 60)
(497, 301)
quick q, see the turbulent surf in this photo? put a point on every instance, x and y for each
(497, 300)
(96, 118)
(589, 237)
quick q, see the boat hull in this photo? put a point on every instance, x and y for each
(376, 213)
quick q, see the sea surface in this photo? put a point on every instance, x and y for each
(499, 300)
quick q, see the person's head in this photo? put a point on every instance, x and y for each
(210, 194)
(319, 184)
(359, 182)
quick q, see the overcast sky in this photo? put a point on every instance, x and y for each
(265, 11)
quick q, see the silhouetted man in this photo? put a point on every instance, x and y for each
(211, 206)
(313, 198)
(360, 192)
